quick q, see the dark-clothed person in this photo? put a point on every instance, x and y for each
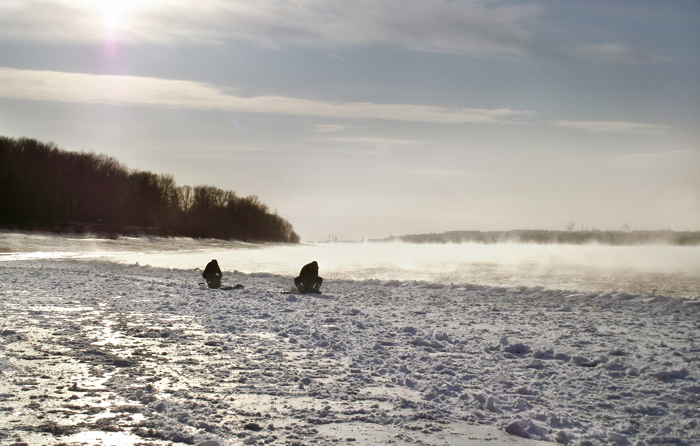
(212, 274)
(308, 280)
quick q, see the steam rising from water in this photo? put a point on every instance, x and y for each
(671, 270)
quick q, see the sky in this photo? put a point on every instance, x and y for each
(369, 118)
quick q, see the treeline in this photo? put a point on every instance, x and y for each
(561, 237)
(45, 188)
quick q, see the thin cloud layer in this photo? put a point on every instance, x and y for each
(483, 28)
(58, 86)
(367, 140)
(442, 173)
(653, 160)
(476, 27)
(612, 52)
(613, 127)
(109, 89)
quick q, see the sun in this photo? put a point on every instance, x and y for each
(116, 14)
(119, 20)
(113, 12)
(111, 15)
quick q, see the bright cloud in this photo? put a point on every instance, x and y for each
(110, 89)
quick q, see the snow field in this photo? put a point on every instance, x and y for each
(142, 354)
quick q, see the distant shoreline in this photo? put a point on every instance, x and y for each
(613, 238)
(683, 238)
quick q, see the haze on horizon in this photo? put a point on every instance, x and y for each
(370, 118)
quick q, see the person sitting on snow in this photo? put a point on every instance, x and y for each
(308, 280)
(212, 274)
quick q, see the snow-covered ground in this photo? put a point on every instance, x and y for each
(98, 352)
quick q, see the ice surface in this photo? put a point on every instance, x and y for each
(143, 354)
